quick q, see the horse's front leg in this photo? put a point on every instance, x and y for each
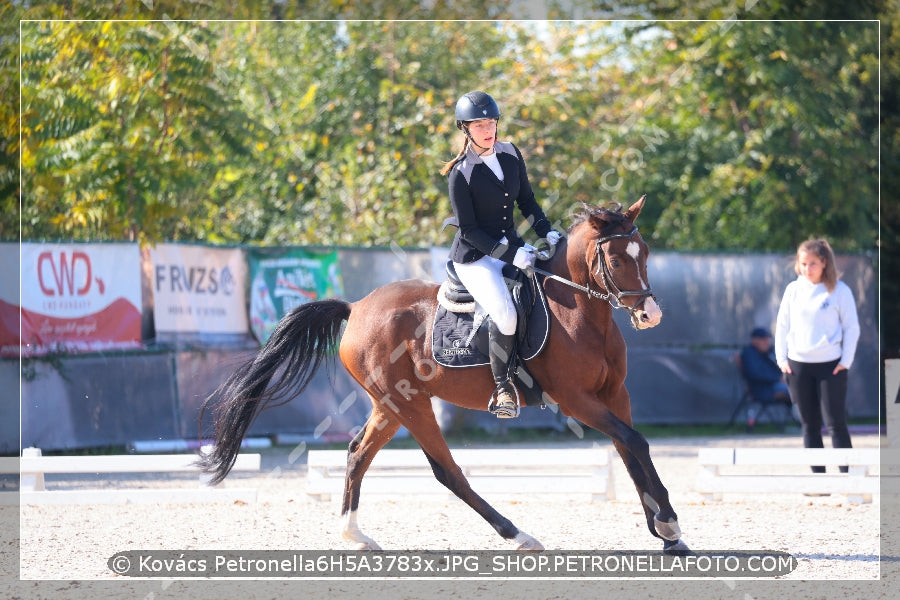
(662, 522)
(635, 452)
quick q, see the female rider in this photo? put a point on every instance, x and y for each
(486, 179)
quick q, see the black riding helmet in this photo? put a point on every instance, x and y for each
(475, 106)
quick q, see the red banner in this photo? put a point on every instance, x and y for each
(70, 298)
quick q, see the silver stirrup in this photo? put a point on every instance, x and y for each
(504, 411)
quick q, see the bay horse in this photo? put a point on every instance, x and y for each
(601, 264)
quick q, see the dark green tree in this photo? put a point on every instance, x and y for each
(770, 134)
(124, 126)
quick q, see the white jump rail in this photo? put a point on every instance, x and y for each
(581, 471)
(32, 467)
(890, 473)
(725, 470)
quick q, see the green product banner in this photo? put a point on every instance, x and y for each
(283, 278)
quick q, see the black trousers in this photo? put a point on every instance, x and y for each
(821, 397)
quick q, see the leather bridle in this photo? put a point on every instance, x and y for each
(613, 294)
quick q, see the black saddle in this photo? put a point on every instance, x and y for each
(460, 332)
(457, 292)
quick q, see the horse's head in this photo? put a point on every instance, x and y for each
(616, 258)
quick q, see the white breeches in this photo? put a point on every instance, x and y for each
(484, 280)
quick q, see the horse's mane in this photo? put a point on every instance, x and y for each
(611, 212)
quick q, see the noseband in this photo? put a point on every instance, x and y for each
(614, 293)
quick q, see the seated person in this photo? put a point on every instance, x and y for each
(765, 380)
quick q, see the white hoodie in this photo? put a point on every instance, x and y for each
(815, 326)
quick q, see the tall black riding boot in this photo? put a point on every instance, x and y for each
(504, 401)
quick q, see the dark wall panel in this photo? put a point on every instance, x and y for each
(679, 372)
(333, 403)
(97, 401)
(9, 406)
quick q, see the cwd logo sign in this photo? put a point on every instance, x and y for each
(73, 298)
(77, 280)
(64, 274)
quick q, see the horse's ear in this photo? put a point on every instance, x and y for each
(593, 216)
(598, 220)
(635, 209)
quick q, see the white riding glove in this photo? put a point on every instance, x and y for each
(524, 259)
(553, 237)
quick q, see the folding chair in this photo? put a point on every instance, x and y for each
(751, 412)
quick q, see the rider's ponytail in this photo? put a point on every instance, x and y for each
(450, 163)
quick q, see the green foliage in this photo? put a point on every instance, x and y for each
(123, 126)
(772, 135)
(890, 178)
(744, 134)
(9, 125)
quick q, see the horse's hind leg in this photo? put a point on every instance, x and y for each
(377, 432)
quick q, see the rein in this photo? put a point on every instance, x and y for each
(614, 298)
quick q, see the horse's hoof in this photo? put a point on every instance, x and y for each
(370, 545)
(676, 548)
(528, 543)
(667, 530)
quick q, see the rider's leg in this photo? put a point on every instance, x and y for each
(484, 280)
(502, 350)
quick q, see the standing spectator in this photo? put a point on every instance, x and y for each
(815, 339)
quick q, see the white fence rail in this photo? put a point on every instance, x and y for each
(32, 467)
(490, 471)
(764, 470)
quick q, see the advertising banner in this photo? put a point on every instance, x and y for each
(283, 278)
(198, 293)
(74, 298)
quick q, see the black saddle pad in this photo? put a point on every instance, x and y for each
(460, 339)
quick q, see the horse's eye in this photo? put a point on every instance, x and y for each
(614, 262)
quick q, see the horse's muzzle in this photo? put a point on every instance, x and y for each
(649, 315)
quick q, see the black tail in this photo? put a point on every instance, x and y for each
(304, 337)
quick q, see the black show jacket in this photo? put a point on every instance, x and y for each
(483, 205)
